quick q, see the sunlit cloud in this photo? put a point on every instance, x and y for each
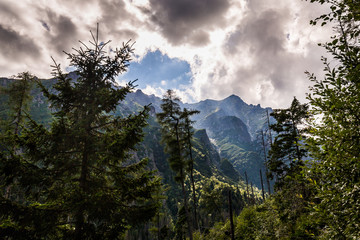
(255, 49)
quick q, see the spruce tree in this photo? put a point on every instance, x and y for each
(18, 100)
(77, 178)
(286, 154)
(286, 160)
(173, 135)
(188, 129)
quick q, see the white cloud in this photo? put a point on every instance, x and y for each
(159, 92)
(256, 49)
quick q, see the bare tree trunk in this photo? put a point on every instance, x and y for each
(182, 176)
(252, 192)
(186, 210)
(268, 122)
(232, 229)
(194, 199)
(266, 169)
(158, 225)
(247, 188)
(193, 182)
(262, 186)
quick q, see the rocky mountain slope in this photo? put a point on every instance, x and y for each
(227, 129)
(232, 125)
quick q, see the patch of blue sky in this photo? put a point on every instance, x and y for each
(159, 71)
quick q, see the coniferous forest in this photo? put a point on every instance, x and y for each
(84, 158)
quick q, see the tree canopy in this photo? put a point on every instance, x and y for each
(335, 144)
(286, 153)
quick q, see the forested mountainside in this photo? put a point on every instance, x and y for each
(214, 174)
(82, 158)
(233, 127)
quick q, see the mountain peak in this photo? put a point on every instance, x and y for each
(233, 97)
(139, 92)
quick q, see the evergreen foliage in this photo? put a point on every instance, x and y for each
(213, 202)
(78, 178)
(18, 98)
(189, 132)
(320, 198)
(286, 155)
(75, 180)
(177, 135)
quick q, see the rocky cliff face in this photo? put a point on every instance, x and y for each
(233, 128)
(220, 127)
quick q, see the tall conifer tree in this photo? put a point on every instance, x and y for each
(286, 155)
(188, 134)
(18, 99)
(76, 176)
(173, 134)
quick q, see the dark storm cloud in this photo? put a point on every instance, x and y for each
(15, 46)
(113, 12)
(263, 34)
(184, 21)
(63, 32)
(125, 34)
(117, 21)
(199, 38)
(271, 63)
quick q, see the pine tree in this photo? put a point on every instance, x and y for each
(267, 174)
(77, 178)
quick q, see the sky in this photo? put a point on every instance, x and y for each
(203, 49)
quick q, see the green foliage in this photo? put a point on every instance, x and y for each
(243, 156)
(227, 168)
(170, 122)
(286, 153)
(265, 222)
(213, 203)
(320, 201)
(177, 135)
(18, 99)
(335, 144)
(75, 180)
(256, 222)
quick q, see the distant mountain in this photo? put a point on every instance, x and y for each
(253, 116)
(232, 126)
(227, 129)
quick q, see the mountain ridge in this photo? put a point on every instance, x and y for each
(230, 124)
